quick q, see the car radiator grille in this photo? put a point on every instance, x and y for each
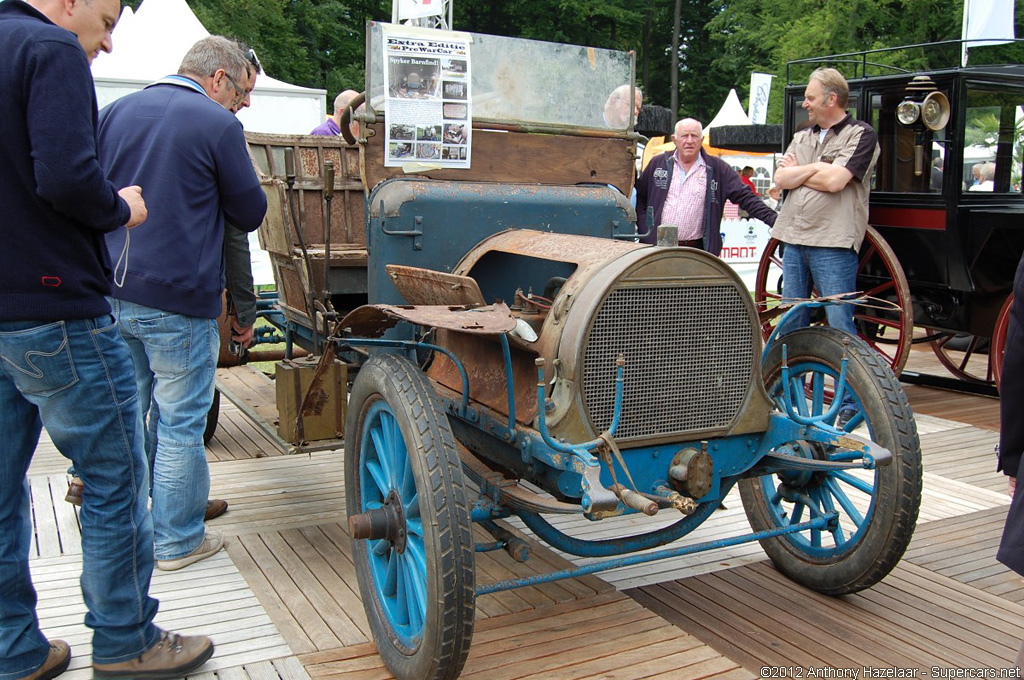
(689, 353)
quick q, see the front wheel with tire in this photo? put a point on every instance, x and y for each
(877, 508)
(404, 486)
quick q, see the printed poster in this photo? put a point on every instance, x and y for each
(428, 103)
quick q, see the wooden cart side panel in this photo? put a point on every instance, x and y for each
(279, 235)
(517, 157)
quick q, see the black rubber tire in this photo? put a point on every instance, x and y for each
(887, 529)
(211, 418)
(441, 651)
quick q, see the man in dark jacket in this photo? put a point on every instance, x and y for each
(62, 363)
(1011, 433)
(688, 188)
(179, 140)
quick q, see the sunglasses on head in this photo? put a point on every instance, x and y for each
(254, 60)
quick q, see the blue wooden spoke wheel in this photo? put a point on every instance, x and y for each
(877, 508)
(410, 523)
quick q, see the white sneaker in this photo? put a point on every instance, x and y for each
(212, 542)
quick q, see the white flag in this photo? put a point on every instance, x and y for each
(986, 22)
(760, 88)
(415, 9)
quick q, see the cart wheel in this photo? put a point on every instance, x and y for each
(879, 275)
(967, 357)
(877, 508)
(415, 566)
(211, 418)
(999, 340)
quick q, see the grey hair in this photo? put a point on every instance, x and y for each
(680, 123)
(832, 82)
(619, 108)
(212, 53)
(621, 93)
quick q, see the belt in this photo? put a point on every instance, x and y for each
(692, 243)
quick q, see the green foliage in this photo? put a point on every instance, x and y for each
(321, 43)
(764, 35)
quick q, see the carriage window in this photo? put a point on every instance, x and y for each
(911, 157)
(993, 140)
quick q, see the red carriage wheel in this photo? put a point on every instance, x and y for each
(879, 274)
(964, 360)
(999, 340)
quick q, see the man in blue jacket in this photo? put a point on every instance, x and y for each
(62, 362)
(688, 188)
(179, 140)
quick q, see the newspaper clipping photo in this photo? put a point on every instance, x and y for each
(428, 101)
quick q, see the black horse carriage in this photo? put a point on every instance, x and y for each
(942, 245)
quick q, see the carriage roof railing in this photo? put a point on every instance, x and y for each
(862, 60)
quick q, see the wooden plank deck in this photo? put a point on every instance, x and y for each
(915, 618)
(282, 601)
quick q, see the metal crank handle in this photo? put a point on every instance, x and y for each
(631, 499)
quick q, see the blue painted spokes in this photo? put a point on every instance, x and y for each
(399, 568)
(851, 493)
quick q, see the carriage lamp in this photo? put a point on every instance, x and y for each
(923, 108)
(908, 112)
(935, 111)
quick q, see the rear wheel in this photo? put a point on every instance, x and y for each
(967, 357)
(879, 274)
(415, 566)
(877, 508)
(999, 340)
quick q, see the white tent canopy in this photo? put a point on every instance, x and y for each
(731, 113)
(150, 43)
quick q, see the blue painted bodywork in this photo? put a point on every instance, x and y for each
(433, 224)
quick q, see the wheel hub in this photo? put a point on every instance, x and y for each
(384, 523)
(797, 479)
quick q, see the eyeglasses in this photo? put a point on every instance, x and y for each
(240, 90)
(242, 93)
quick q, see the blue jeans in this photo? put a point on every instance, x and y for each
(75, 377)
(832, 270)
(175, 367)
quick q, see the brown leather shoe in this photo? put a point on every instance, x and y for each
(74, 495)
(172, 656)
(215, 507)
(56, 662)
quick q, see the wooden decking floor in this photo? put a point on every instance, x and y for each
(282, 601)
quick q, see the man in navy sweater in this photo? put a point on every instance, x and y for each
(688, 188)
(179, 140)
(62, 361)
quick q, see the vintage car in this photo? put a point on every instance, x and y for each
(516, 351)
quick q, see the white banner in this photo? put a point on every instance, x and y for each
(415, 9)
(986, 22)
(760, 88)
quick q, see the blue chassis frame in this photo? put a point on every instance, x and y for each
(736, 457)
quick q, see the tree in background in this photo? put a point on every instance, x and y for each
(321, 43)
(313, 43)
(763, 35)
